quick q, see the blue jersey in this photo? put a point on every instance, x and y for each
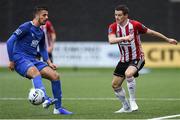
(25, 41)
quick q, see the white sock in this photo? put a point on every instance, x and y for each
(121, 95)
(131, 85)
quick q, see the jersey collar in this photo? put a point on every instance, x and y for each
(124, 25)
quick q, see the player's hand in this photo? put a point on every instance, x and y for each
(50, 49)
(129, 37)
(11, 66)
(53, 66)
(172, 41)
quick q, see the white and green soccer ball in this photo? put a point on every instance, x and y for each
(36, 96)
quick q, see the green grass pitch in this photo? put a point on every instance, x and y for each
(88, 93)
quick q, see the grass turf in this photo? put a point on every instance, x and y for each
(153, 89)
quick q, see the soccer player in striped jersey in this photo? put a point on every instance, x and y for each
(22, 51)
(50, 37)
(126, 33)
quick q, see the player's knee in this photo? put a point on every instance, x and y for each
(115, 85)
(128, 74)
(32, 72)
(55, 76)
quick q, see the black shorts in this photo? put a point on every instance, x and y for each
(122, 66)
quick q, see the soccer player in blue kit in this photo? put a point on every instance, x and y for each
(22, 50)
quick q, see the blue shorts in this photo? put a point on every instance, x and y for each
(22, 64)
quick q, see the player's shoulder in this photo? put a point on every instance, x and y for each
(139, 26)
(48, 23)
(23, 28)
(135, 22)
(26, 25)
(112, 28)
(114, 24)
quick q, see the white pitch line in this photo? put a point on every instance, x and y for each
(100, 99)
(165, 117)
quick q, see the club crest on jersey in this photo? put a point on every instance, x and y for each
(18, 31)
(123, 34)
(34, 43)
(110, 30)
(32, 34)
(131, 31)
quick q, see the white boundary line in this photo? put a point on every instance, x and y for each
(165, 117)
(99, 99)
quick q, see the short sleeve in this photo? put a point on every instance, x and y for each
(141, 28)
(21, 31)
(112, 29)
(50, 27)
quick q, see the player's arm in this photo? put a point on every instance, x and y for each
(51, 31)
(20, 32)
(44, 53)
(157, 34)
(53, 34)
(144, 30)
(51, 44)
(113, 39)
(10, 44)
(43, 50)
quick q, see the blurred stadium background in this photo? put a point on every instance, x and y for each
(87, 21)
(72, 18)
(86, 60)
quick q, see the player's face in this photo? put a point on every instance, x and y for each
(120, 17)
(43, 17)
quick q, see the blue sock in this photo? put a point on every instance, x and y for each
(56, 89)
(37, 83)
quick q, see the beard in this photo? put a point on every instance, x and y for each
(42, 22)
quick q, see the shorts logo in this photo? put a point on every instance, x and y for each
(135, 62)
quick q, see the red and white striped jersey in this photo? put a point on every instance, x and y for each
(129, 50)
(48, 29)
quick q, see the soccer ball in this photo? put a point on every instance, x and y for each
(36, 96)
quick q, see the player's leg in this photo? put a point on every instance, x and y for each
(120, 93)
(130, 73)
(34, 74)
(53, 76)
(131, 85)
(27, 69)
